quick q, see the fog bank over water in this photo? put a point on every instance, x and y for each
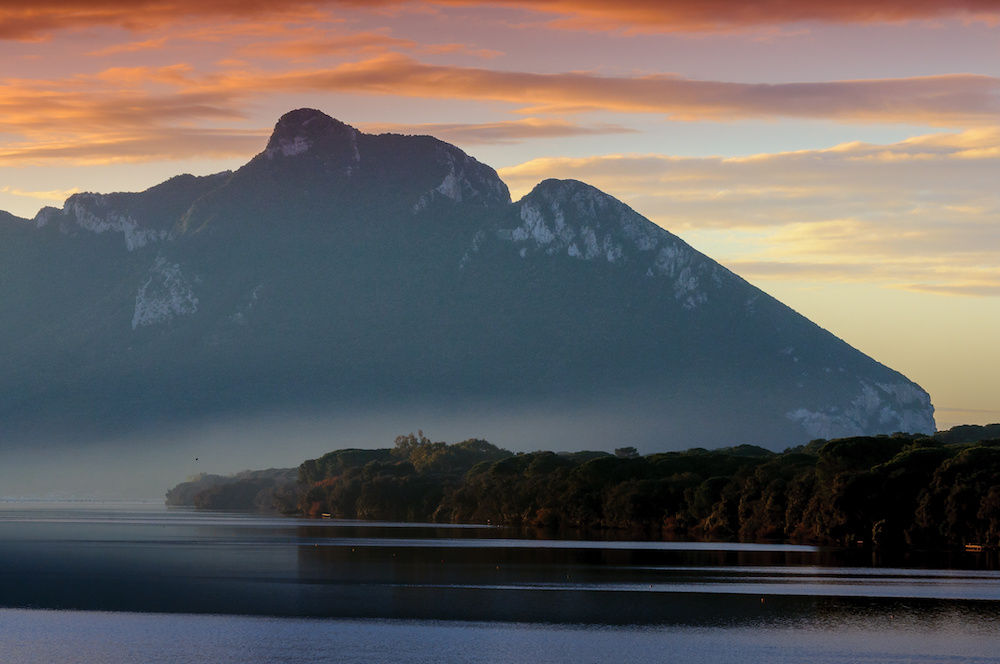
(145, 464)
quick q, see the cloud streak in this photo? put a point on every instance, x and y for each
(509, 131)
(167, 143)
(923, 275)
(951, 100)
(55, 195)
(920, 214)
(40, 18)
(134, 107)
(737, 15)
(113, 117)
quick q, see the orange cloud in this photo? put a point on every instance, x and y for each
(39, 18)
(89, 119)
(167, 143)
(132, 47)
(511, 131)
(148, 97)
(953, 100)
(734, 15)
(922, 214)
(310, 43)
(35, 20)
(307, 43)
(57, 195)
(933, 180)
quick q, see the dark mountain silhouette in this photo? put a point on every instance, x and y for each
(340, 270)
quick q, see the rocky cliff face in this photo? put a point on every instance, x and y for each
(344, 270)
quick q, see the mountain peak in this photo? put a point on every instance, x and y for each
(304, 129)
(350, 271)
(580, 223)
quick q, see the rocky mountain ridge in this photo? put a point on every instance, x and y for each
(340, 269)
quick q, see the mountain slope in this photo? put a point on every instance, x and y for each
(339, 270)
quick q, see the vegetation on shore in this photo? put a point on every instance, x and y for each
(904, 490)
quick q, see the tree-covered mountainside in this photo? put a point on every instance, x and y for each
(339, 272)
(902, 490)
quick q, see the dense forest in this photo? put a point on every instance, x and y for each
(902, 490)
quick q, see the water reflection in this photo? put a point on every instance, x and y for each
(42, 637)
(148, 558)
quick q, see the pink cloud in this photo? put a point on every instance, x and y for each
(951, 100)
(180, 94)
(737, 15)
(166, 143)
(35, 20)
(511, 131)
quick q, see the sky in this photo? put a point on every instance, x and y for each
(843, 157)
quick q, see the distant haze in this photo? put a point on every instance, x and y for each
(342, 288)
(133, 467)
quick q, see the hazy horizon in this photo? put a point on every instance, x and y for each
(842, 158)
(145, 463)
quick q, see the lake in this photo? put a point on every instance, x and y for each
(92, 582)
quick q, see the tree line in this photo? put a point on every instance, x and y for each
(895, 491)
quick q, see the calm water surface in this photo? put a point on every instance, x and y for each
(143, 583)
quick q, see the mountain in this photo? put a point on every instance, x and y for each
(339, 271)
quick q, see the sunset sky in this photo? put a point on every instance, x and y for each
(844, 157)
